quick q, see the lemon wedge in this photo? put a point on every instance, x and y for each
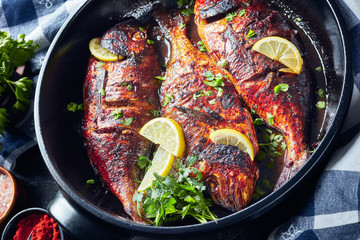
(102, 53)
(161, 164)
(282, 50)
(234, 138)
(167, 133)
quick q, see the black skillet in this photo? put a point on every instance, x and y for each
(90, 212)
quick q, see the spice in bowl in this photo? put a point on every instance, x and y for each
(37, 227)
(7, 193)
(34, 224)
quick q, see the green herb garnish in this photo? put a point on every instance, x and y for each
(98, 65)
(318, 69)
(14, 53)
(90, 181)
(202, 47)
(174, 197)
(116, 114)
(320, 92)
(281, 87)
(162, 78)
(251, 34)
(102, 91)
(182, 26)
(320, 104)
(151, 42)
(270, 118)
(222, 62)
(155, 113)
(229, 17)
(127, 121)
(73, 107)
(258, 122)
(168, 99)
(242, 13)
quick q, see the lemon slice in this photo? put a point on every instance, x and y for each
(282, 50)
(102, 53)
(161, 164)
(167, 133)
(234, 138)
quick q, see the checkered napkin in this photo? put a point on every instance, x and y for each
(39, 20)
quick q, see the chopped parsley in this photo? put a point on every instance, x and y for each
(242, 13)
(281, 87)
(182, 26)
(102, 91)
(172, 198)
(156, 113)
(73, 107)
(198, 94)
(202, 47)
(229, 17)
(151, 42)
(320, 104)
(162, 78)
(129, 87)
(98, 65)
(222, 62)
(168, 99)
(143, 162)
(90, 181)
(251, 34)
(270, 144)
(270, 118)
(318, 69)
(212, 102)
(117, 114)
(298, 19)
(258, 122)
(320, 92)
(127, 121)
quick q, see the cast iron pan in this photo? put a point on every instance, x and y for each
(92, 212)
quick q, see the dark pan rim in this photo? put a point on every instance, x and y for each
(250, 212)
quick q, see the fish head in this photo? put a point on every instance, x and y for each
(210, 8)
(229, 175)
(126, 39)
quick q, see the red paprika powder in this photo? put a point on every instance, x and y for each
(39, 226)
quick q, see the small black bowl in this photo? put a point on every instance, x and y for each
(11, 226)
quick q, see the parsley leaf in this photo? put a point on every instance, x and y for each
(127, 121)
(73, 107)
(174, 197)
(251, 34)
(14, 53)
(202, 47)
(116, 114)
(281, 87)
(320, 104)
(229, 17)
(222, 62)
(168, 99)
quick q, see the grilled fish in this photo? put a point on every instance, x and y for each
(118, 99)
(191, 96)
(254, 75)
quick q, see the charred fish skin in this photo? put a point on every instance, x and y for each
(256, 76)
(199, 108)
(118, 100)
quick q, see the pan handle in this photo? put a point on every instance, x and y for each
(79, 224)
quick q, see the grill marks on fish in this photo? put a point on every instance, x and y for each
(111, 121)
(255, 75)
(199, 116)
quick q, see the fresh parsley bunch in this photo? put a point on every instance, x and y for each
(171, 198)
(14, 53)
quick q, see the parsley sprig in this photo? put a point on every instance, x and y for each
(14, 53)
(173, 198)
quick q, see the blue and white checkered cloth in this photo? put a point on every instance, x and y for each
(333, 210)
